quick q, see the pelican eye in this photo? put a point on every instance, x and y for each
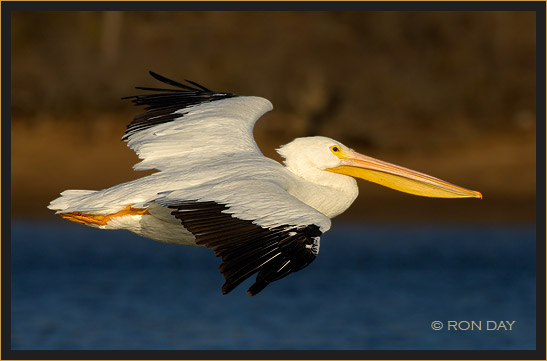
(335, 149)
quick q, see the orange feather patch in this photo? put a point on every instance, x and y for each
(101, 220)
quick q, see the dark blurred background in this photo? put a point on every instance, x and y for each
(451, 94)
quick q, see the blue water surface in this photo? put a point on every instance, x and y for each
(372, 287)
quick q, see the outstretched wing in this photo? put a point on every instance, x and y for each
(215, 180)
(191, 120)
(251, 222)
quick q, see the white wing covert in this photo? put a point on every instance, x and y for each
(181, 124)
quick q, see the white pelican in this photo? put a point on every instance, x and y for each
(215, 189)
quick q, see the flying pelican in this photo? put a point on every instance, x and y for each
(215, 189)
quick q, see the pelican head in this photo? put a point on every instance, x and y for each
(310, 155)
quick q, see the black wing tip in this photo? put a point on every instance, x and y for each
(164, 105)
(252, 291)
(256, 288)
(197, 87)
(247, 248)
(193, 89)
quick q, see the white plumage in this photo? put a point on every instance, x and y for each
(215, 189)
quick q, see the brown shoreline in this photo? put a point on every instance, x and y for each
(50, 156)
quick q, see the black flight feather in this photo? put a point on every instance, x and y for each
(247, 248)
(165, 105)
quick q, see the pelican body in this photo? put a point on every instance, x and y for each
(215, 189)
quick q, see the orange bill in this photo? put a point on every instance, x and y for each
(398, 178)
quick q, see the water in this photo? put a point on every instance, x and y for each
(372, 287)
